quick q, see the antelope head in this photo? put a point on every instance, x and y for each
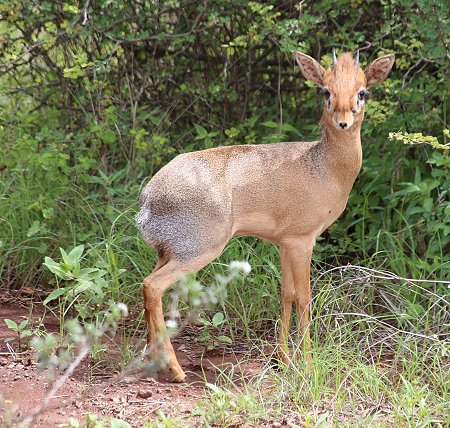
(345, 85)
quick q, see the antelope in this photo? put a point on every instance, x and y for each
(286, 193)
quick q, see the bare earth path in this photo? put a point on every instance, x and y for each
(131, 399)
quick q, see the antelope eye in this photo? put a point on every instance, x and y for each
(325, 92)
(362, 94)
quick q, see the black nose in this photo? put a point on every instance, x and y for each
(342, 125)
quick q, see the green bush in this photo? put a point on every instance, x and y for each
(96, 100)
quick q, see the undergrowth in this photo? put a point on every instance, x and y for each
(380, 340)
(376, 362)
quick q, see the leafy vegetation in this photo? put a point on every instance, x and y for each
(97, 95)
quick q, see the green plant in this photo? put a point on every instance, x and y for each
(228, 404)
(205, 136)
(76, 159)
(84, 288)
(91, 420)
(419, 138)
(66, 353)
(164, 421)
(55, 352)
(21, 330)
(363, 359)
(197, 296)
(209, 335)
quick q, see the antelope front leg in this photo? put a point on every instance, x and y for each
(299, 260)
(287, 299)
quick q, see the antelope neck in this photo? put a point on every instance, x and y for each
(343, 152)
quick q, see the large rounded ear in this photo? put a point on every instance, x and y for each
(310, 68)
(379, 69)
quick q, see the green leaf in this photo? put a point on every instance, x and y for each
(73, 72)
(42, 248)
(23, 324)
(188, 148)
(428, 204)
(119, 423)
(83, 286)
(286, 127)
(54, 295)
(201, 132)
(70, 8)
(48, 212)
(414, 310)
(11, 324)
(25, 333)
(76, 253)
(35, 228)
(214, 388)
(270, 124)
(322, 419)
(85, 273)
(107, 136)
(64, 256)
(155, 120)
(208, 143)
(225, 339)
(56, 268)
(204, 322)
(218, 319)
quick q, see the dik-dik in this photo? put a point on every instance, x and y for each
(285, 193)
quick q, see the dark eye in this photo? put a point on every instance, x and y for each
(325, 92)
(354, 111)
(362, 94)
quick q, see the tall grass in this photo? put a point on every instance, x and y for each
(380, 340)
(374, 364)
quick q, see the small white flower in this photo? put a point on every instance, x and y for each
(244, 267)
(171, 323)
(122, 307)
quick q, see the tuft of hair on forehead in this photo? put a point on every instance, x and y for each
(345, 64)
(344, 72)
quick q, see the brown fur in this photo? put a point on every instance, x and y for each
(286, 193)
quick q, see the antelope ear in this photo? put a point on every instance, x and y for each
(379, 69)
(310, 68)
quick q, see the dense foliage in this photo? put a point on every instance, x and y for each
(97, 95)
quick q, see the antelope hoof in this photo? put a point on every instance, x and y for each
(178, 374)
(281, 358)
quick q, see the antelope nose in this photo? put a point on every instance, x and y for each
(343, 125)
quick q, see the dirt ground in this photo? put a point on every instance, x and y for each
(132, 399)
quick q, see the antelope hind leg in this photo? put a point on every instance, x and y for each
(154, 286)
(153, 289)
